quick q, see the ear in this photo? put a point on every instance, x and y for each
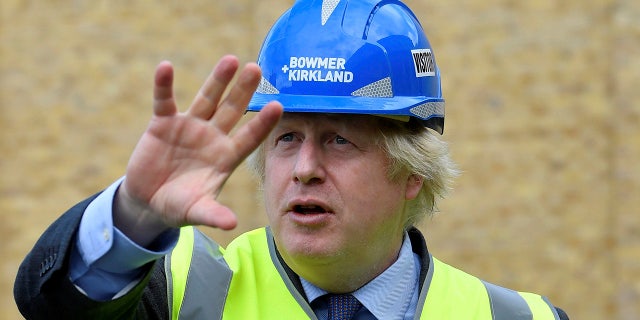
(414, 184)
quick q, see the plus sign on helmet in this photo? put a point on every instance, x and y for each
(348, 56)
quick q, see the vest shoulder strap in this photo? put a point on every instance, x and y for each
(197, 277)
(448, 288)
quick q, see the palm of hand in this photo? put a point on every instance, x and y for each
(183, 159)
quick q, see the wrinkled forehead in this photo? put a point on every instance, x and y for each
(375, 125)
(317, 116)
(355, 121)
(354, 125)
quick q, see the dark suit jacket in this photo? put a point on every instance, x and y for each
(43, 289)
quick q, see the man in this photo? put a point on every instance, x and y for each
(348, 160)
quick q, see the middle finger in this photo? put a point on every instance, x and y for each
(206, 101)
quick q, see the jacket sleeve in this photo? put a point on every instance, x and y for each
(43, 290)
(563, 315)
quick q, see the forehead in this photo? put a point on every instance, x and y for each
(354, 121)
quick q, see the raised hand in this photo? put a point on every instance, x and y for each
(183, 159)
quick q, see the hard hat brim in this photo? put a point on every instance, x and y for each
(394, 106)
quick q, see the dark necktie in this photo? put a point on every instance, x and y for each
(343, 306)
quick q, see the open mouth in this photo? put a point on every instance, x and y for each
(309, 209)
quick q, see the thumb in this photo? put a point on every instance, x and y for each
(211, 213)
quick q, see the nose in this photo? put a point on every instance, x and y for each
(309, 167)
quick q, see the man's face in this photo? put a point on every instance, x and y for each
(328, 197)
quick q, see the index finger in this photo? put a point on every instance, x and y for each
(250, 135)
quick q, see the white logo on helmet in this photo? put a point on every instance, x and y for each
(423, 62)
(317, 69)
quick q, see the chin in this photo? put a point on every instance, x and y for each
(306, 247)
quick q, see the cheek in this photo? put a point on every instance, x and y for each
(269, 187)
(273, 171)
(276, 177)
(371, 177)
(374, 194)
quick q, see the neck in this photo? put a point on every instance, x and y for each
(341, 274)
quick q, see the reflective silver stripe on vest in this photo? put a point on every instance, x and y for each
(285, 278)
(207, 283)
(552, 307)
(424, 289)
(507, 304)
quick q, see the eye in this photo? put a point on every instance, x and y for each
(340, 140)
(287, 137)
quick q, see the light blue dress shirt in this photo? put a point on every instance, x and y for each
(105, 264)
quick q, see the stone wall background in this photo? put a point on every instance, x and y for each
(543, 117)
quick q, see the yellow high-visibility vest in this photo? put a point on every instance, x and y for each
(247, 281)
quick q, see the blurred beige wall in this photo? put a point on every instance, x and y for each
(543, 115)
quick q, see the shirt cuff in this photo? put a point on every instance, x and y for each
(103, 246)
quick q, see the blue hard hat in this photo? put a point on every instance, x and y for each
(351, 56)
